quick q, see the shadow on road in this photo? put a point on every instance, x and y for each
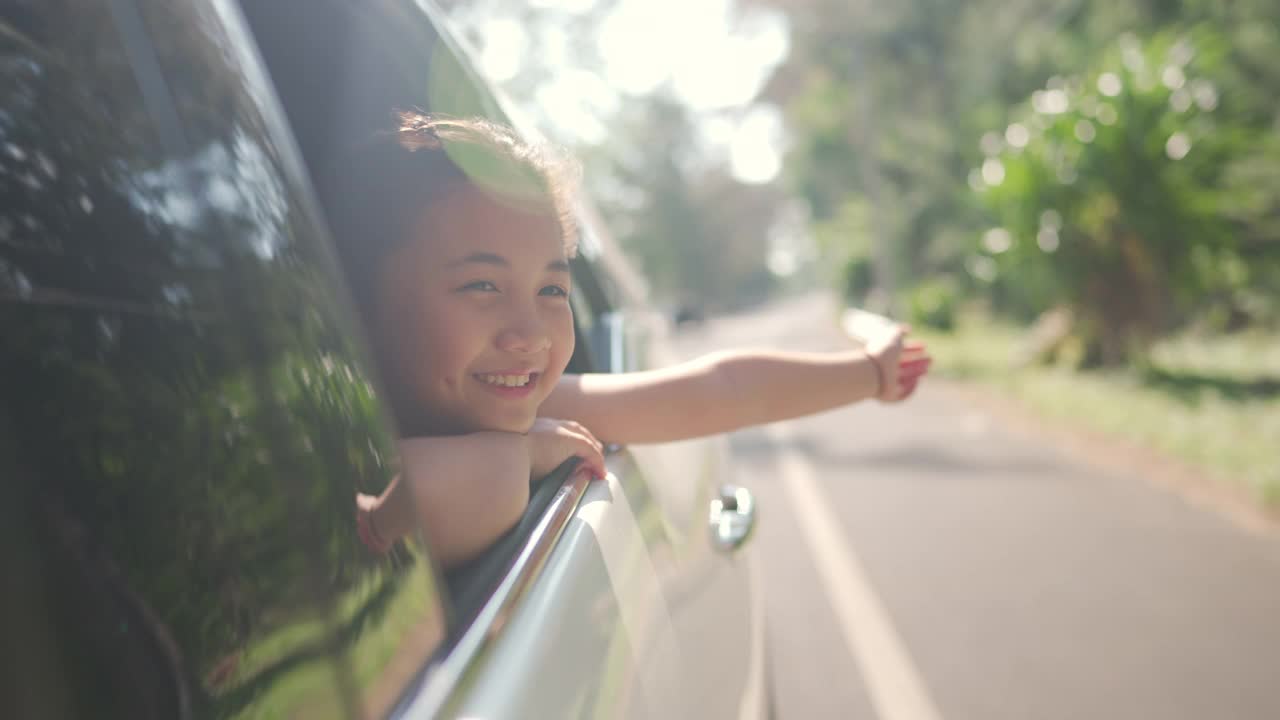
(1188, 386)
(947, 463)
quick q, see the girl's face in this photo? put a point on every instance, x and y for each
(475, 314)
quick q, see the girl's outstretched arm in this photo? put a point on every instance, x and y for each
(728, 390)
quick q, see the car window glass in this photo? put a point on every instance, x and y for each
(187, 417)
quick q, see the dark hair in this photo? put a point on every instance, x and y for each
(379, 194)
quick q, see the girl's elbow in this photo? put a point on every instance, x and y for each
(503, 499)
(475, 518)
(510, 495)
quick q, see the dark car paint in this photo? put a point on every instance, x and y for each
(187, 408)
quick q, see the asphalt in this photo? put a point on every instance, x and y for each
(1023, 580)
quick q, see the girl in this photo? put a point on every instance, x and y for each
(456, 237)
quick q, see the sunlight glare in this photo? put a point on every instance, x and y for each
(713, 56)
(505, 43)
(755, 151)
(575, 7)
(1177, 146)
(1047, 239)
(575, 102)
(1173, 77)
(992, 172)
(1017, 135)
(1109, 84)
(997, 240)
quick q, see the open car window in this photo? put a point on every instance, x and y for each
(342, 70)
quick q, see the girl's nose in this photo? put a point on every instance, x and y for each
(526, 334)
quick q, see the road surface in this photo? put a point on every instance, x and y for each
(928, 561)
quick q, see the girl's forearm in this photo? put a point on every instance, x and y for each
(763, 387)
(713, 394)
(464, 491)
(464, 455)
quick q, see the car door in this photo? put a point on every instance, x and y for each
(186, 413)
(715, 605)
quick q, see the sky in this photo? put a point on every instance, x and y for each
(710, 54)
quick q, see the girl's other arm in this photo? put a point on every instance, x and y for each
(465, 491)
(725, 391)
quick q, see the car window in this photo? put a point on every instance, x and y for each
(187, 414)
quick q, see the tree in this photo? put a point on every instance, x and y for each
(1118, 193)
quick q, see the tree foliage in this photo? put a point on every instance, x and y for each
(1116, 191)
(987, 152)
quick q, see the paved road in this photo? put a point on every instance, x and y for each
(947, 566)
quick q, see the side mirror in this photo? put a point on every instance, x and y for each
(732, 517)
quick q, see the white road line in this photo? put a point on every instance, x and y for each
(896, 689)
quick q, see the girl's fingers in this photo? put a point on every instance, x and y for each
(594, 466)
(583, 435)
(592, 448)
(581, 431)
(914, 367)
(908, 382)
(593, 455)
(915, 349)
(586, 446)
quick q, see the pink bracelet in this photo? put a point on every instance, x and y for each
(368, 533)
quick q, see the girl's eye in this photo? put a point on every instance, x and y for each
(554, 291)
(479, 286)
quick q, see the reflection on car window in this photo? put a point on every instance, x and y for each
(186, 414)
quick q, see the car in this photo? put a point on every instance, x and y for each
(189, 407)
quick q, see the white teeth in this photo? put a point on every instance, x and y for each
(505, 380)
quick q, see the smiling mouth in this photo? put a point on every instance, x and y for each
(505, 380)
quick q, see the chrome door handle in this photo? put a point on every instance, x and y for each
(732, 517)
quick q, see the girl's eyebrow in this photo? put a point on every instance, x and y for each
(482, 258)
(487, 258)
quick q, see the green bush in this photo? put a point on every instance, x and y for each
(1128, 194)
(932, 304)
(857, 278)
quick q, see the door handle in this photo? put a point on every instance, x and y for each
(732, 517)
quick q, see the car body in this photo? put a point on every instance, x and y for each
(189, 408)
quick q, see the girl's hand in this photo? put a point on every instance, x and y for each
(552, 441)
(900, 363)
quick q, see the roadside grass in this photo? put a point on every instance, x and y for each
(1211, 402)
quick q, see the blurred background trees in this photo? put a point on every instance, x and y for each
(1114, 161)
(1113, 166)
